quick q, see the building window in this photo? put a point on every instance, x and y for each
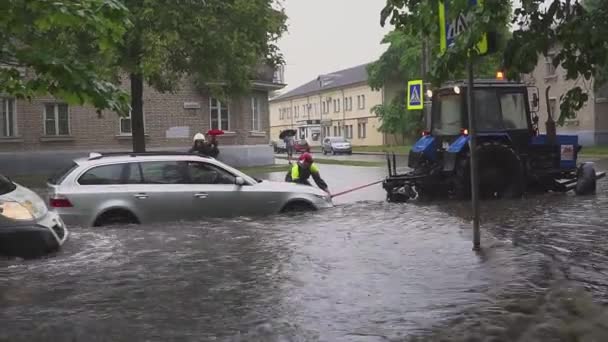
(549, 68)
(349, 131)
(56, 119)
(336, 106)
(348, 104)
(327, 107)
(256, 120)
(220, 116)
(361, 101)
(361, 130)
(8, 124)
(125, 124)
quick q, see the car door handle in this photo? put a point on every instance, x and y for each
(201, 195)
(141, 196)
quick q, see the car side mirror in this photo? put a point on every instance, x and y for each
(239, 181)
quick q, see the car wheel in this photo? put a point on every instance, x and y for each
(298, 207)
(116, 217)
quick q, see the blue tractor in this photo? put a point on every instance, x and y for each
(513, 158)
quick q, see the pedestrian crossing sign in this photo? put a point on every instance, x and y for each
(414, 95)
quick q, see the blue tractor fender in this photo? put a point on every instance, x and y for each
(461, 144)
(462, 141)
(426, 146)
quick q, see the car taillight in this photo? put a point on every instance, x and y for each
(464, 131)
(60, 202)
(425, 133)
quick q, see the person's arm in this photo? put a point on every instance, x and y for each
(316, 175)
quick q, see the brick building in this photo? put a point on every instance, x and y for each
(46, 128)
(591, 121)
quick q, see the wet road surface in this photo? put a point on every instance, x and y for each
(363, 271)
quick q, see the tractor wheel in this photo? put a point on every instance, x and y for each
(586, 181)
(501, 172)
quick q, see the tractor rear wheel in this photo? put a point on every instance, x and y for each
(501, 172)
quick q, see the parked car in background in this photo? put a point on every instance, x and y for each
(27, 228)
(301, 146)
(126, 188)
(335, 145)
(279, 146)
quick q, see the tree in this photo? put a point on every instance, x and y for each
(213, 41)
(396, 119)
(62, 48)
(579, 31)
(401, 62)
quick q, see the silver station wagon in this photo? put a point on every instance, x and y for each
(124, 188)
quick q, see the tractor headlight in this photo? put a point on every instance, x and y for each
(15, 211)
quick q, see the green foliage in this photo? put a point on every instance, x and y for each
(579, 32)
(396, 119)
(221, 42)
(62, 48)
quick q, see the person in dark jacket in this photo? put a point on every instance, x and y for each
(213, 147)
(200, 145)
(301, 171)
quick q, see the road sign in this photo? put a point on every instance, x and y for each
(415, 100)
(449, 30)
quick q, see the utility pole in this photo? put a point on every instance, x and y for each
(473, 151)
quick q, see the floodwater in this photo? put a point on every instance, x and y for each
(363, 271)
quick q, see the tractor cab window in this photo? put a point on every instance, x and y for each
(487, 110)
(514, 111)
(447, 115)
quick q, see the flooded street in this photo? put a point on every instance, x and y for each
(366, 270)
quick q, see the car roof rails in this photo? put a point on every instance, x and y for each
(100, 155)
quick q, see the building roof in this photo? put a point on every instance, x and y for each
(336, 79)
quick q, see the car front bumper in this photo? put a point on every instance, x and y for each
(342, 149)
(33, 240)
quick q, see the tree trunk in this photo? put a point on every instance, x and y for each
(137, 113)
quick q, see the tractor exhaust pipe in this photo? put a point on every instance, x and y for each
(550, 123)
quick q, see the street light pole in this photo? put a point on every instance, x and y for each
(473, 151)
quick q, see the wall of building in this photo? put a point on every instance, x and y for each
(329, 107)
(167, 122)
(584, 125)
(171, 120)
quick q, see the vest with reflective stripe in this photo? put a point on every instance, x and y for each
(295, 171)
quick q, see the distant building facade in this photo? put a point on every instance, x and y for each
(591, 121)
(335, 104)
(170, 120)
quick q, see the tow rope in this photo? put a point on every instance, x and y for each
(355, 189)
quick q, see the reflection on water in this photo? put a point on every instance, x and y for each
(365, 271)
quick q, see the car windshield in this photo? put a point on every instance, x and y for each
(447, 115)
(6, 185)
(338, 139)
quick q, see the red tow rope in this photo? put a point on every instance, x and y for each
(355, 189)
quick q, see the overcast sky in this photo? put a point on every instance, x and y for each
(329, 35)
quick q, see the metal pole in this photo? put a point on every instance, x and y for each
(473, 149)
